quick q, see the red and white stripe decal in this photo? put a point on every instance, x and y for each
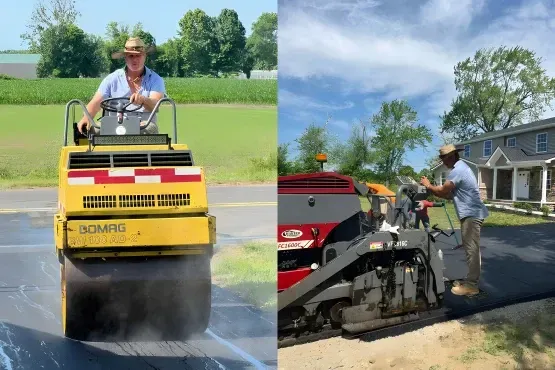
(134, 176)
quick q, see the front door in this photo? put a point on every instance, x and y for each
(523, 189)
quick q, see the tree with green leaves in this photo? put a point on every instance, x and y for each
(247, 61)
(230, 34)
(396, 130)
(116, 36)
(498, 88)
(60, 12)
(355, 157)
(262, 42)
(148, 39)
(285, 166)
(406, 170)
(199, 44)
(68, 52)
(204, 46)
(431, 161)
(314, 140)
(168, 61)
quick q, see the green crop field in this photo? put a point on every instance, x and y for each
(235, 144)
(181, 90)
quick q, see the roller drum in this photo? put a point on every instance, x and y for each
(136, 298)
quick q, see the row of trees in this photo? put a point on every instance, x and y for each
(497, 89)
(203, 46)
(376, 157)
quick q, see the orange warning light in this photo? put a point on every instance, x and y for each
(321, 157)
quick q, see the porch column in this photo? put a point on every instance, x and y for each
(495, 183)
(544, 184)
(515, 182)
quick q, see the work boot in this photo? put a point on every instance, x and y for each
(465, 289)
(458, 282)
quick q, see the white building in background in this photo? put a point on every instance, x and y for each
(260, 75)
(19, 65)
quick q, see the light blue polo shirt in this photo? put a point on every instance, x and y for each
(115, 86)
(466, 195)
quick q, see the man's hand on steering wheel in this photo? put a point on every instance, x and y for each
(109, 106)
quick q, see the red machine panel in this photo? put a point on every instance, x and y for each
(302, 236)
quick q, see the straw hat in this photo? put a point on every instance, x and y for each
(133, 45)
(448, 149)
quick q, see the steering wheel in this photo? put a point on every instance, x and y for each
(119, 107)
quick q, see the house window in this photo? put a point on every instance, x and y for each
(511, 142)
(548, 179)
(487, 148)
(541, 143)
(442, 178)
(467, 150)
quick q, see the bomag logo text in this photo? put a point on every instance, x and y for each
(102, 229)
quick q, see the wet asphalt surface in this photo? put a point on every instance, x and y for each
(517, 261)
(239, 336)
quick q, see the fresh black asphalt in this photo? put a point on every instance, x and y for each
(239, 336)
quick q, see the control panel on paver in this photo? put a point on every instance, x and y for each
(405, 180)
(415, 191)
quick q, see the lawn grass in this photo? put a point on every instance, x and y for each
(495, 219)
(233, 144)
(525, 341)
(249, 270)
(181, 90)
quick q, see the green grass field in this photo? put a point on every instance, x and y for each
(495, 219)
(234, 144)
(248, 270)
(181, 90)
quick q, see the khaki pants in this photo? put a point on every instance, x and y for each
(152, 129)
(470, 230)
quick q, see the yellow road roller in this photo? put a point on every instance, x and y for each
(132, 231)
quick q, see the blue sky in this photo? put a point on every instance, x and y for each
(342, 58)
(160, 20)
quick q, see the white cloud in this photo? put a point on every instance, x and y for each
(455, 15)
(290, 99)
(400, 54)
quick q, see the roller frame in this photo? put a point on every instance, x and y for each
(131, 279)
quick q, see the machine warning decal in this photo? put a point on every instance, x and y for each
(292, 234)
(376, 245)
(301, 244)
